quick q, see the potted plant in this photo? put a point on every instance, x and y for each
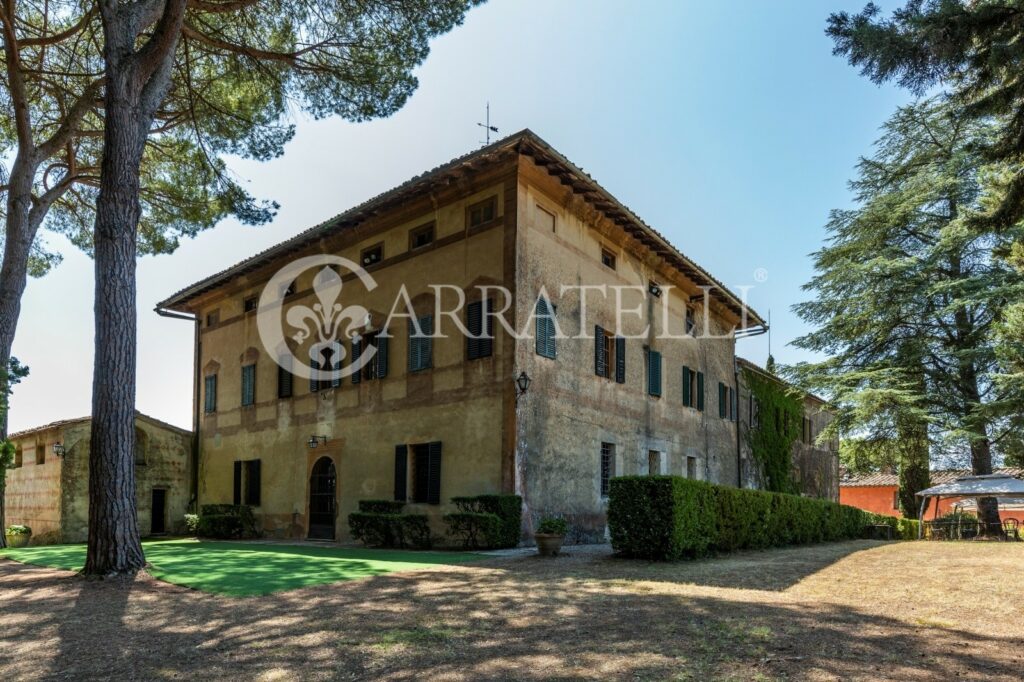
(18, 536)
(549, 535)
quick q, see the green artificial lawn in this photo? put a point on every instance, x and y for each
(240, 569)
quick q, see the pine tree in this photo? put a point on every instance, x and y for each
(908, 295)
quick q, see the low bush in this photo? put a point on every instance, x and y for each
(18, 529)
(669, 517)
(226, 521)
(550, 525)
(380, 523)
(474, 530)
(192, 523)
(508, 509)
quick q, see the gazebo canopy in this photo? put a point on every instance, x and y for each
(990, 485)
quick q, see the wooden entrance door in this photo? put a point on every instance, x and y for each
(322, 504)
(158, 519)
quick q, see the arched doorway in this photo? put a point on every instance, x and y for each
(322, 506)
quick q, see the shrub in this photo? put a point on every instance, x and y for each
(474, 530)
(192, 523)
(381, 506)
(508, 509)
(378, 523)
(226, 521)
(552, 526)
(18, 529)
(661, 517)
(668, 518)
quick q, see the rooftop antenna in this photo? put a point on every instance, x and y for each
(488, 128)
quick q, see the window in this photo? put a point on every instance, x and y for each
(377, 366)
(700, 391)
(480, 324)
(213, 318)
(689, 321)
(421, 236)
(420, 464)
(421, 346)
(895, 499)
(210, 394)
(754, 408)
(607, 466)
(653, 463)
(545, 219)
(733, 404)
(40, 454)
(250, 304)
(653, 372)
(723, 410)
(689, 387)
(248, 385)
(285, 378)
(607, 259)
(482, 212)
(691, 467)
(17, 458)
(372, 255)
(603, 353)
(247, 482)
(545, 314)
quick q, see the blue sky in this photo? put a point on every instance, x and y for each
(729, 127)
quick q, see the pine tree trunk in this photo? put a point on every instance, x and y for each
(114, 545)
(137, 80)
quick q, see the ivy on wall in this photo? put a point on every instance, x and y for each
(780, 413)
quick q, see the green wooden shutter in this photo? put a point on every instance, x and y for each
(248, 384)
(382, 357)
(284, 377)
(653, 372)
(545, 329)
(401, 472)
(700, 391)
(356, 352)
(687, 391)
(721, 400)
(480, 325)
(237, 484)
(434, 477)
(210, 390)
(600, 357)
(252, 487)
(620, 360)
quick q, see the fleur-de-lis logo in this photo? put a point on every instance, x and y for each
(320, 327)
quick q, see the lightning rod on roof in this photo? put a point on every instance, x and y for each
(488, 128)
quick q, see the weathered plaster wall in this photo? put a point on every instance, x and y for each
(457, 402)
(569, 411)
(33, 490)
(163, 462)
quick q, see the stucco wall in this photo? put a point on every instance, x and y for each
(876, 499)
(33, 490)
(569, 411)
(456, 402)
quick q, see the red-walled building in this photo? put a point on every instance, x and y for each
(878, 492)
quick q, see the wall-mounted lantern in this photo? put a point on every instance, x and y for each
(655, 289)
(522, 384)
(58, 449)
(316, 441)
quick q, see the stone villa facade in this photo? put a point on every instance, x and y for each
(609, 393)
(49, 491)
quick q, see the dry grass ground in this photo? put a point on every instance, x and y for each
(858, 610)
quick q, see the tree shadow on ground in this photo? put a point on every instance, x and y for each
(523, 619)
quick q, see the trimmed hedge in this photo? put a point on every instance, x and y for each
(226, 521)
(381, 506)
(390, 530)
(474, 530)
(508, 509)
(669, 517)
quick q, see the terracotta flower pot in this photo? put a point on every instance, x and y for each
(17, 540)
(548, 544)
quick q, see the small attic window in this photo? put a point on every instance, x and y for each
(421, 236)
(607, 259)
(250, 304)
(212, 318)
(482, 212)
(372, 255)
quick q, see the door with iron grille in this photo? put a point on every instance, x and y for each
(322, 505)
